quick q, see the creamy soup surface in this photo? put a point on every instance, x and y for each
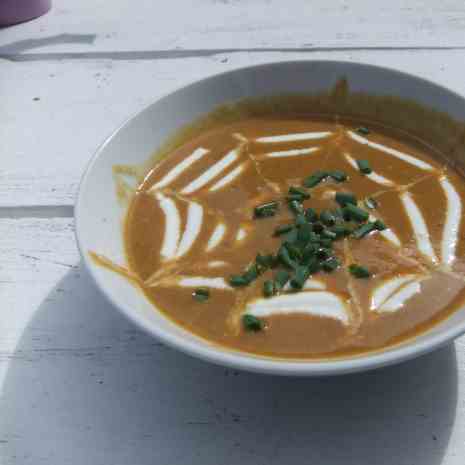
(193, 224)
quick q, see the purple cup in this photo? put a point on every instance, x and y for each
(18, 11)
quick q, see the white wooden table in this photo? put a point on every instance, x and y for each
(79, 383)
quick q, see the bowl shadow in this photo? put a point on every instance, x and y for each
(85, 386)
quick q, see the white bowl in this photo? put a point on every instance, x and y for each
(98, 215)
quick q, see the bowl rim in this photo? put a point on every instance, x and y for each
(238, 359)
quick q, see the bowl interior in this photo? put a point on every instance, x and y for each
(99, 216)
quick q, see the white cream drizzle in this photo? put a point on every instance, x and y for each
(216, 264)
(201, 281)
(233, 174)
(291, 153)
(396, 153)
(419, 226)
(179, 168)
(216, 236)
(373, 176)
(393, 294)
(388, 234)
(452, 224)
(316, 303)
(293, 137)
(173, 226)
(212, 172)
(192, 230)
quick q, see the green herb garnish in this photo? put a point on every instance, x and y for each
(363, 230)
(355, 213)
(331, 264)
(345, 198)
(296, 206)
(327, 218)
(362, 130)
(379, 225)
(266, 210)
(268, 288)
(364, 166)
(301, 275)
(299, 191)
(252, 323)
(201, 294)
(238, 280)
(283, 229)
(359, 271)
(281, 278)
(338, 175)
(315, 179)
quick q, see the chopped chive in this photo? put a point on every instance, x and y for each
(355, 213)
(268, 288)
(327, 218)
(238, 280)
(266, 210)
(313, 265)
(338, 175)
(305, 233)
(379, 225)
(300, 220)
(314, 237)
(337, 213)
(364, 166)
(370, 203)
(362, 130)
(285, 258)
(323, 253)
(328, 234)
(299, 191)
(252, 323)
(281, 278)
(363, 230)
(315, 179)
(308, 253)
(264, 261)
(296, 206)
(301, 275)
(359, 271)
(251, 273)
(331, 264)
(294, 251)
(345, 198)
(311, 215)
(318, 227)
(296, 197)
(291, 236)
(340, 230)
(201, 294)
(283, 229)
(326, 242)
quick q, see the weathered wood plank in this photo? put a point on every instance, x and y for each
(80, 384)
(206, 24)
(54, 114)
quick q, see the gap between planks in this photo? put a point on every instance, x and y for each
(37, 211)
(179, 54)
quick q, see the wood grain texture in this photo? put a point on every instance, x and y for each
(80, 384)
(56, 113)
(91, 26)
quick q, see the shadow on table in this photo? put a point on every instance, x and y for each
(85, 386)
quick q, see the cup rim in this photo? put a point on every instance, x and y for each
(239, 359)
